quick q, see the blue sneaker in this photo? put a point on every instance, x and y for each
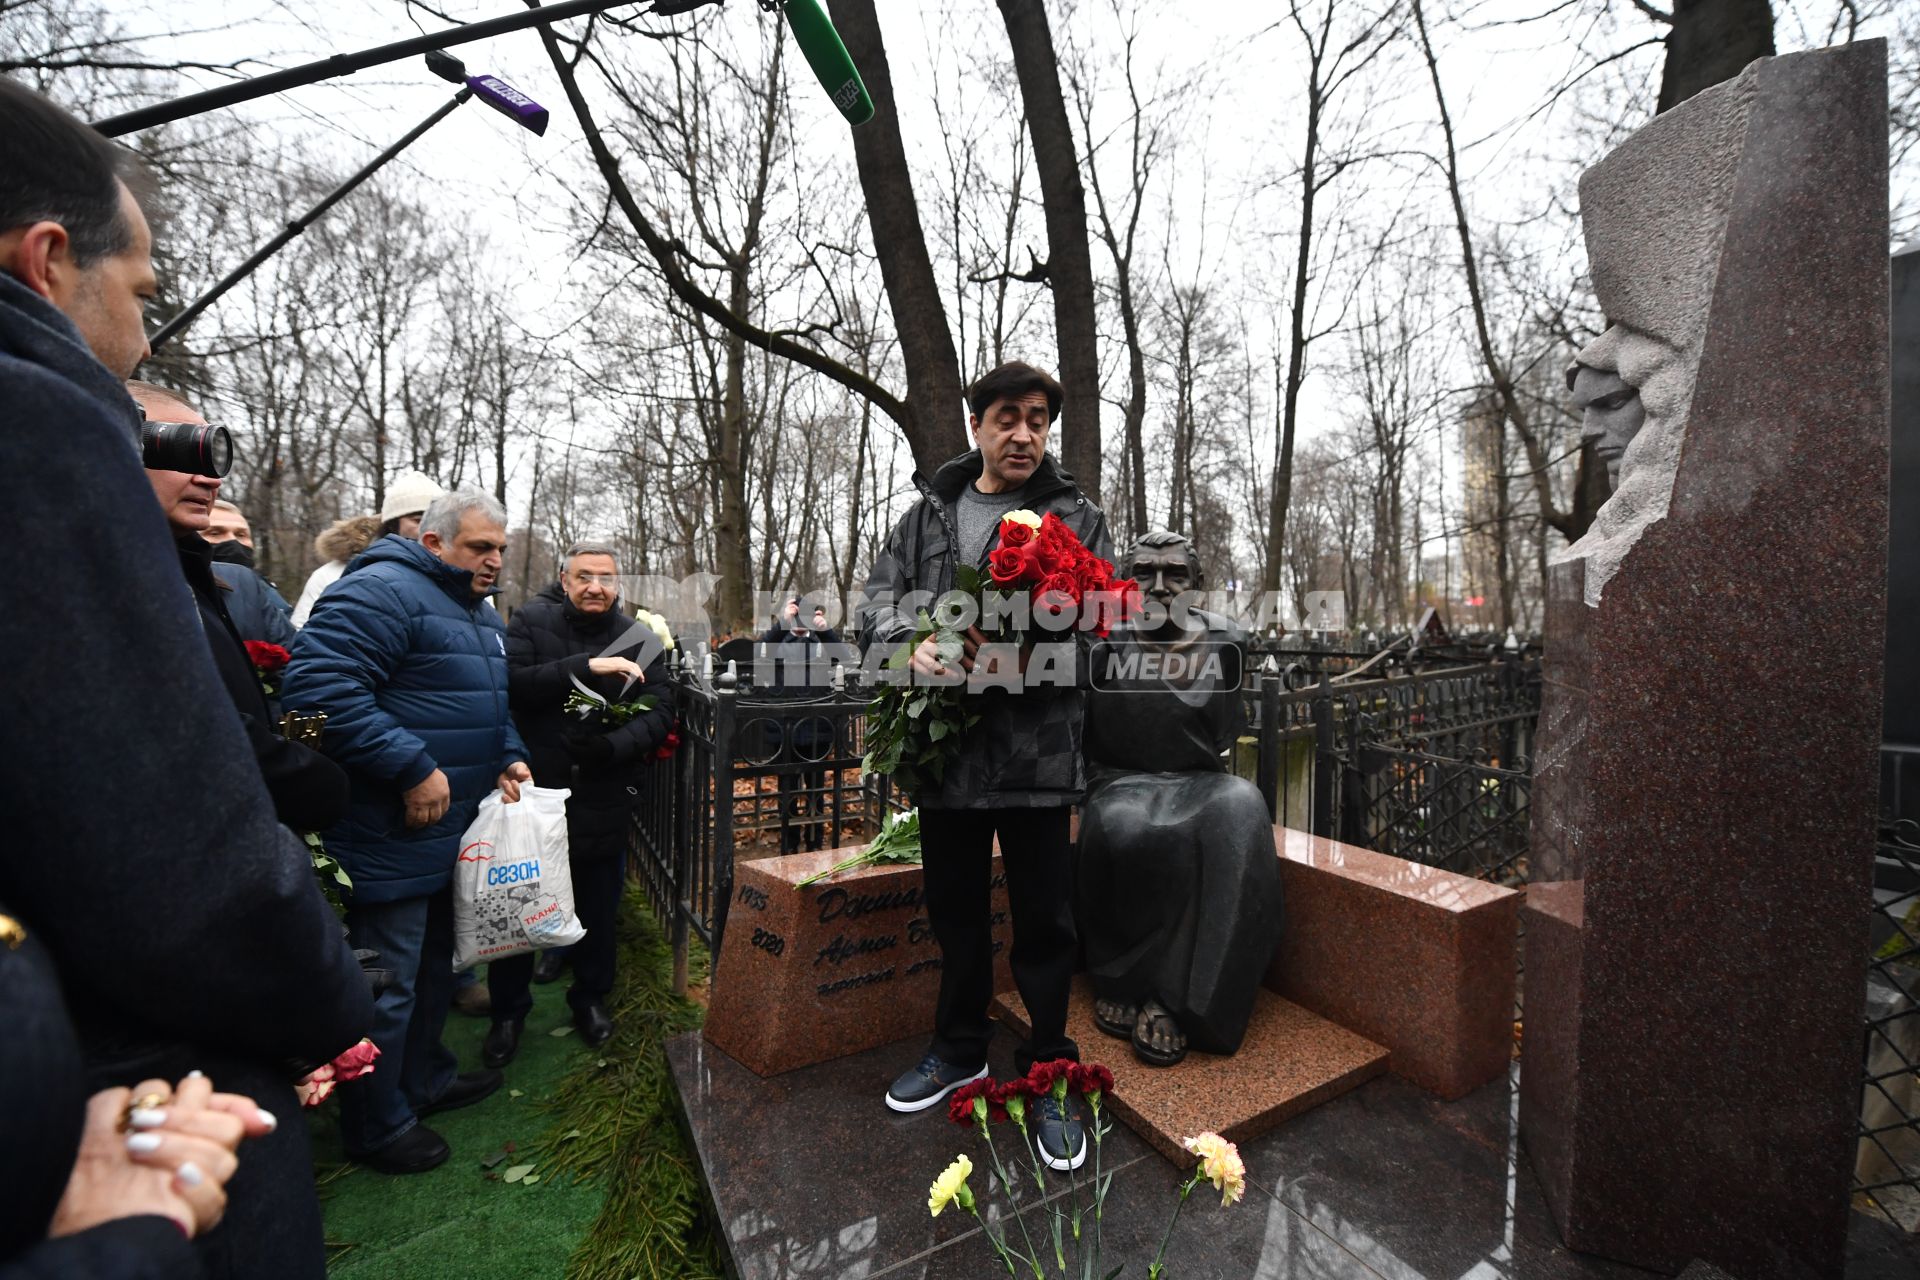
(1060, 1136)
(929, 1083)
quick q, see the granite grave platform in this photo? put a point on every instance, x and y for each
(810, 1177)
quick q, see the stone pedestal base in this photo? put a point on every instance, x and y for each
(1291, 1060)
(838, 967)
(1415, 958)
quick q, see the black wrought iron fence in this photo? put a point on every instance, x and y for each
(763, 770)
(1887, 1162)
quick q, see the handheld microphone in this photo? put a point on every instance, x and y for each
(820, 43)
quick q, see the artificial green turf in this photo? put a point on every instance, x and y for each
(460, 1221)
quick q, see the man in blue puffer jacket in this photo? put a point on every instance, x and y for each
(409, 664)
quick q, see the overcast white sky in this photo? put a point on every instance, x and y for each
(1498, 75)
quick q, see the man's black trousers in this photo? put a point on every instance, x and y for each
(599, 879)
(957, 855)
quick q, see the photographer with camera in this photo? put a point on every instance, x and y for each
(309, 791)
(185, 924)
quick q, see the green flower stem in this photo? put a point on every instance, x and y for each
(998, 1246)
(1099, 1192)
(1155, 1271)
(1032, 1255)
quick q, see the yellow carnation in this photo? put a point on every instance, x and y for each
(951, 1185)
(1220, 1164)
(1022, 516)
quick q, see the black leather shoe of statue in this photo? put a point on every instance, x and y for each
(415, 1151)
(502, 1042)
(595, 1023)
(464, 1092)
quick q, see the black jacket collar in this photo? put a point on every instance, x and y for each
(956, 474)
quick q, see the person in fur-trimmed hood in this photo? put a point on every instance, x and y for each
(341, 541)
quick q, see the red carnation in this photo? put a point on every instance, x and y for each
(1043, 1075)
(1018, 1087)
(1089, 1079)
(960, 1108)
(266, 657)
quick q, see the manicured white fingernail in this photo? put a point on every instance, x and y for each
(189, 1175)
(196, 1075)
(146, 1118)
(268, 1119)
(143, 1143)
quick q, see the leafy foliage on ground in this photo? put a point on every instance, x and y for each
(614, 1121)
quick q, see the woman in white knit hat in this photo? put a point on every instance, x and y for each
(407, 497)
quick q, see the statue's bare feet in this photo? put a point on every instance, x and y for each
(1157, 1039)
(1115, 1017)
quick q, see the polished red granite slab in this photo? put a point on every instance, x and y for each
(1705, 775)
(1290, 1060)
(1418, 960)
(840, 966)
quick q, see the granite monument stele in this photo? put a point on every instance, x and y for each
(1704, 786)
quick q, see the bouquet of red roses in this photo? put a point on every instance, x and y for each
(1039, 577)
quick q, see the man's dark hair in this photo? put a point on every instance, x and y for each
(59, 170)
(1011, 381)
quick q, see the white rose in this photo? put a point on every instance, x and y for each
(1022, 516)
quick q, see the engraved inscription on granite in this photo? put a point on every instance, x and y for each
(834, 968)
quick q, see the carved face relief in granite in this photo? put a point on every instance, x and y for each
(1611, 415)
(1655, 215)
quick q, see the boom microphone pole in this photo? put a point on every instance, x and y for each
(299, 224)
(341, 64)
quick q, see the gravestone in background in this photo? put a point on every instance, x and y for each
(1704, 790)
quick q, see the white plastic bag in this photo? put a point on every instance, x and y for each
(512, 885)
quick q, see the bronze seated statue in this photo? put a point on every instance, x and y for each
(1178, 887)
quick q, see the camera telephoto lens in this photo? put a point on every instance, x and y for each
(199, 449)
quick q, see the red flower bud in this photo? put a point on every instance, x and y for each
(1015, 534)
(266, 657)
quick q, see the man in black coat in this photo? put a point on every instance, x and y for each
(185, 923)
(309, 791)
(574, 639)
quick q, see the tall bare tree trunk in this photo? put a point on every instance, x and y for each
(935, 427)
(1069, 260)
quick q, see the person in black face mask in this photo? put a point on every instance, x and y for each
(258, 610)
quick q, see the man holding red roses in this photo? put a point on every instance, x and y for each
(1019, 767)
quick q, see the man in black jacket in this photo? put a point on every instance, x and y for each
(574, 639)
(309, 791)
(184, 921)
(1018, 769)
